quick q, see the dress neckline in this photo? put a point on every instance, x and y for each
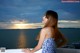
(49, 38)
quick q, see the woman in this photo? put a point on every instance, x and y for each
(50, 37)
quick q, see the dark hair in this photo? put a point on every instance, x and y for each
(52, 17)
(52, 22)
(52, 13)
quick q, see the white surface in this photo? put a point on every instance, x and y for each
(59, 50)
(18, 51)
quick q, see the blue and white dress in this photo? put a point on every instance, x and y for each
(49, 46)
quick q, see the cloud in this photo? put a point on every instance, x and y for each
(4, 25)
(66, 15)
(69, 24)
(26, 25)
(31, 9)
(29, 13)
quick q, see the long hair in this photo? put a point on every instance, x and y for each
(52, 22)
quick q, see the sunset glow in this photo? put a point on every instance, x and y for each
(20, 24)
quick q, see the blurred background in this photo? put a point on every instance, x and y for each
(20, 21)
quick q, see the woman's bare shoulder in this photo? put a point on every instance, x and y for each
(48, 28)
(44, 30)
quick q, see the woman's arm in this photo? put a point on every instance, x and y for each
(42, 37)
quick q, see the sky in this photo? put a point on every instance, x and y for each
(32, 11)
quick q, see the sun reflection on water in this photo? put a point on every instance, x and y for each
(22, 40)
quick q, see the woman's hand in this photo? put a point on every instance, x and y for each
(26, 50)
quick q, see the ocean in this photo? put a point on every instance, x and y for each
(26, 38)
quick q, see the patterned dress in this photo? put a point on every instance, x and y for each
(49, 46)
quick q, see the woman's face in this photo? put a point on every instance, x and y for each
(44, 20)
